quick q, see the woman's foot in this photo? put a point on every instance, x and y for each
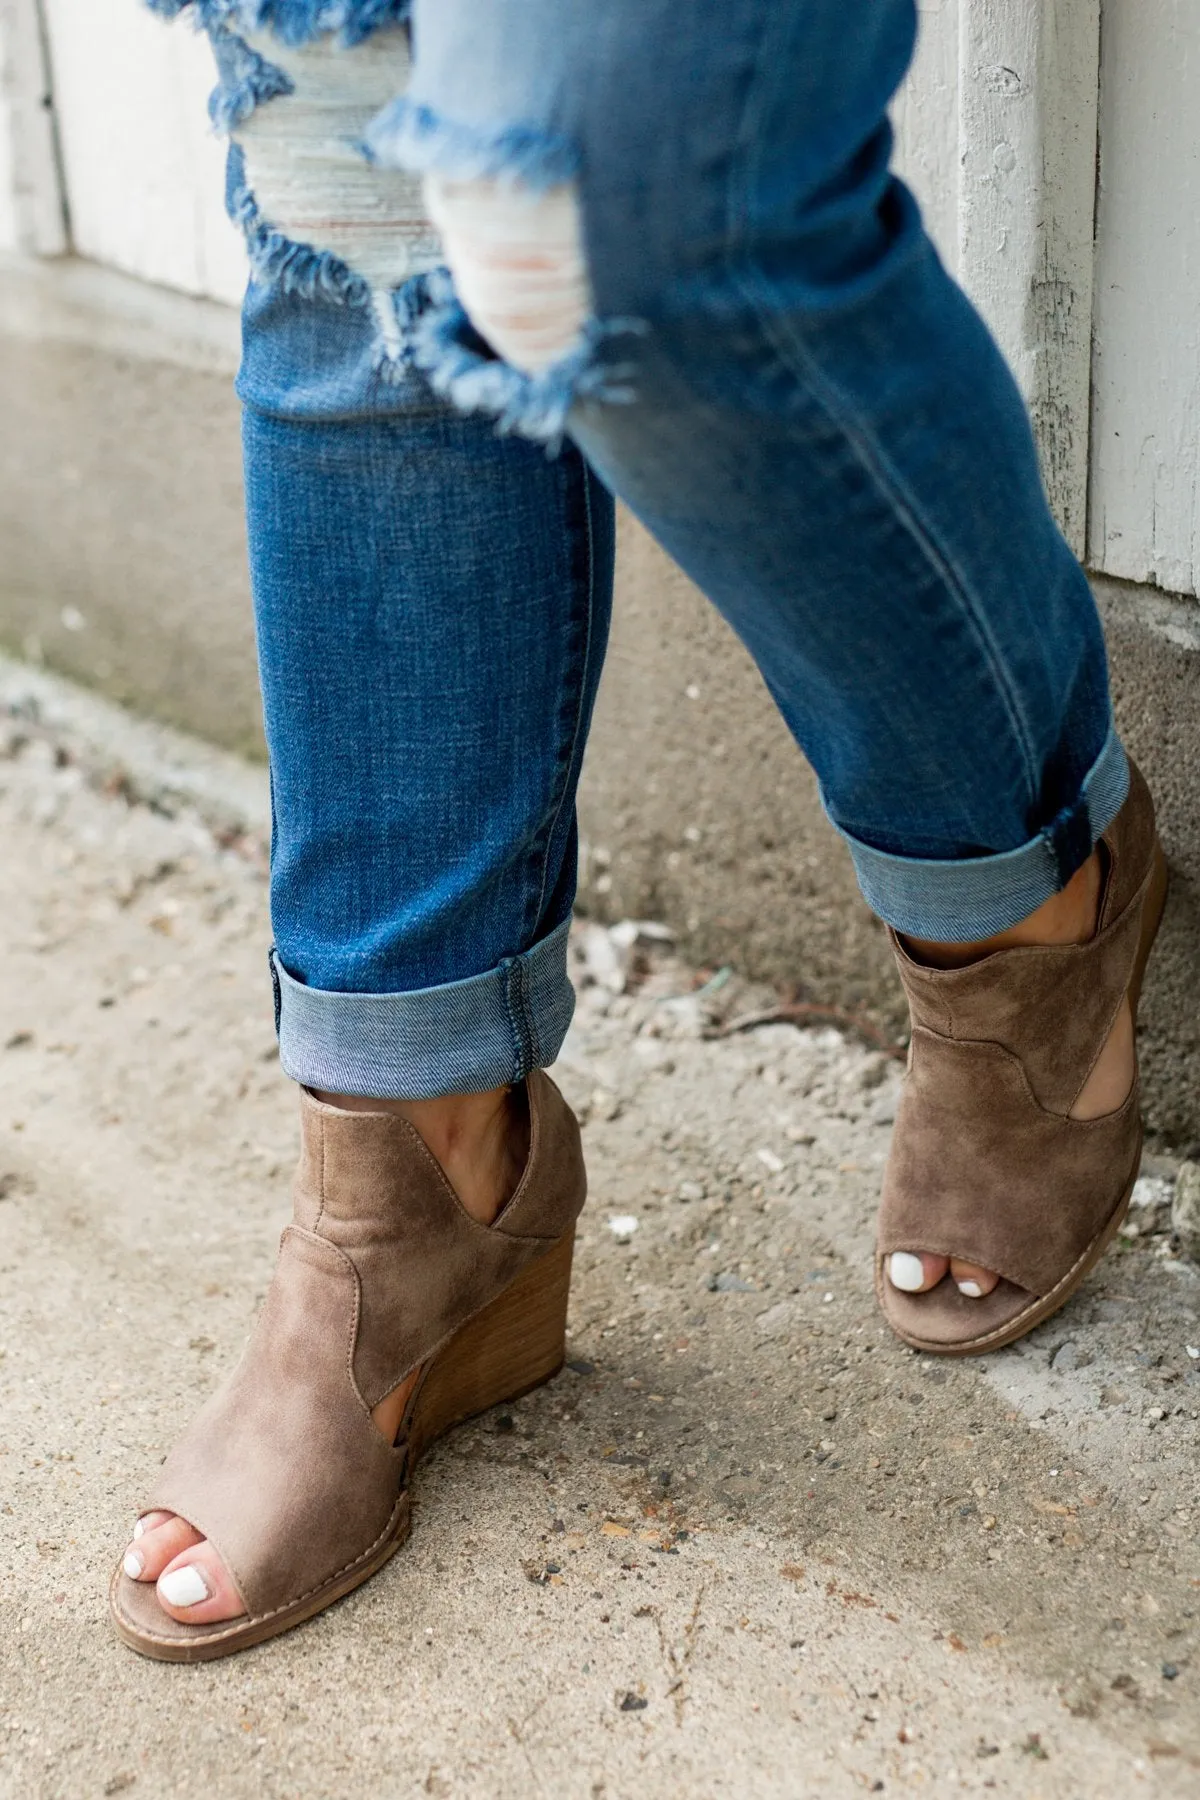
(1069, 917)
(481, 1142)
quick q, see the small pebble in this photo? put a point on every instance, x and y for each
(1170, 1671)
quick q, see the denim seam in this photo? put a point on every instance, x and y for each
(276, 987)
(798, 361)
(581, 689)
(891, 486)
(517, 1007)
(893, 492)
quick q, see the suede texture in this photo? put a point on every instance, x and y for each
(283, 1470)
(986, 1165)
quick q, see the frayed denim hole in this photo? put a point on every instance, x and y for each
(298, 22)
(246, 80)
(293, 22)
(407, 135)
(396, 357)
(318, 275)
(298, 268)
(463, 369)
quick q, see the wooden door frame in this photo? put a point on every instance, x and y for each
(39, 196)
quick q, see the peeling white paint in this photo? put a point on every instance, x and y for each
(926, 119)
(1028, 78)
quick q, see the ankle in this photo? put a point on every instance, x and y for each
(1068, 917)
(480, 1141)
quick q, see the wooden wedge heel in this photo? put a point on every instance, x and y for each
(987, 1163)
(382, 1274)
(510, 1348)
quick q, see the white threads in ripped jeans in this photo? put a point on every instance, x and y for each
(518, 265)
(308, 174)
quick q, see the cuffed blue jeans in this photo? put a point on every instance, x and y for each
(778, 377)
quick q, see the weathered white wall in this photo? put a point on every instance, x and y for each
(926, 120)
(996, 128)
(1145, 494)
(1028, 79)
(143, 169)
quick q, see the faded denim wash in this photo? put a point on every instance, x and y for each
(782, 382)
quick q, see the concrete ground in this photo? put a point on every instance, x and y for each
(744, 1545)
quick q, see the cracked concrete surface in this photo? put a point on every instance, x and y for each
(744, 1545)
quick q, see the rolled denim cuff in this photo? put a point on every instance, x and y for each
(958, 901)
(460, 1038)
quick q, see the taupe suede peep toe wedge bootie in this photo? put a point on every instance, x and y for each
(383, 1272)
(986, 1163)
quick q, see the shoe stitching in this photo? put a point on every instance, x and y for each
(321, 1181)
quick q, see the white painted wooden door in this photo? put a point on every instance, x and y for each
(142, 167)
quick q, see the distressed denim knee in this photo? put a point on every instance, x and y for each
(812, 419)
(431, 600)
(319, 220)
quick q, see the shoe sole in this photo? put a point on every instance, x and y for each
(1045, 1307)
(515, 1344)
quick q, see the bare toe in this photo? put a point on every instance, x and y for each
(914, 1274)
(974, 1282)
(157, 1539)
(196, 1590)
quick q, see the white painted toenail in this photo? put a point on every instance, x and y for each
(906, 1272)
(183, 1587)
(971, 1289)
(133, 1564)
(139, 1528)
